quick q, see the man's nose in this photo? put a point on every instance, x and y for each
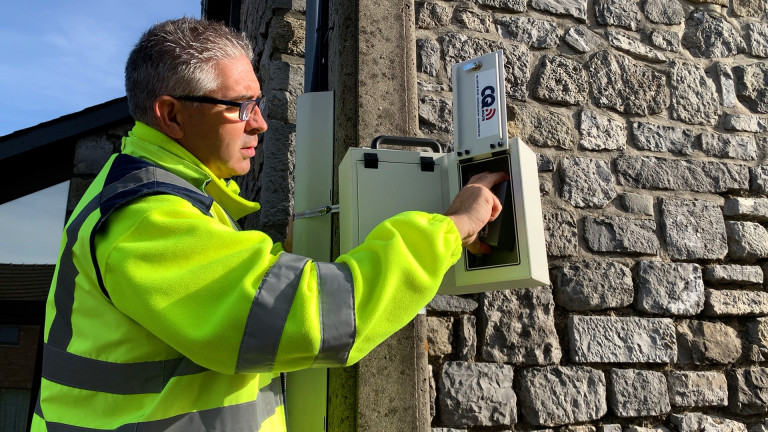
(256, 122)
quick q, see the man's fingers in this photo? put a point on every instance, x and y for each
(488, 179)
(477, 247)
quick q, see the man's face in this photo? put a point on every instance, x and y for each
(213, 133)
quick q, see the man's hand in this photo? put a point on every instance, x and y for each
(473, 207)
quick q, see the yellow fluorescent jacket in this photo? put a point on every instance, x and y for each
(164, 316)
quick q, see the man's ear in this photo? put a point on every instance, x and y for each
(167, 116)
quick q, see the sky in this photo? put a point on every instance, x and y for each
(57, 58)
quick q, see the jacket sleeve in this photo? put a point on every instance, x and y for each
(234, 302)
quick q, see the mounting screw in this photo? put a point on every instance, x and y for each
(466, 152)
(458, 154)
(493, 146)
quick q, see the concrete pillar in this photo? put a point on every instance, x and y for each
(372, 70)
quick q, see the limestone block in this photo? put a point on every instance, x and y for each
(710, 35)
(669, 288)
(477, 394)
(599, 339)
(599, 132)
(647, 172)
(474, 20)
(618, 13)
(529, 31)
(511, 5)
(428, 57)
(697, 422)
(623, 235)
(436, 113)
(665, 39)
(560, 233)
(439, 335)
(622, 41)
(693, 229)
(736, 303)
(645, 429)
(519, 327)
(694, 96)
(540, 128)
(756, 38)
(742, 147)
(544, 163)
(752, 86)
(748, 8)
(638, 393)
(758, 179)
(748, 390)
(560, 80)
(574, 8)
(586, 182)
(746, 240)
(697, 389)
(727, 86)
(430, 15)
(448, 303)
(619, 83)
(733, 273)
(664, 12)
(288, 35)
(637, 203)
(467, 337)
(704, 342)
(593, 285)
(559, 395)
(661, 138)
(757, 333)
(581, 39)
(744, 122)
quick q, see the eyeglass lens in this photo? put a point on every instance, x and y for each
(246, 109)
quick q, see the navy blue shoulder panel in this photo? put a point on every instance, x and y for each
(130, 178)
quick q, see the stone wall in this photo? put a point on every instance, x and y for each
(649, 119)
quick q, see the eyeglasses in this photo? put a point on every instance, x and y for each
(246, 107)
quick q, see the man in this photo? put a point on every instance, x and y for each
(163, 315)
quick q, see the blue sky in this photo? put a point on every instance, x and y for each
(56, 58)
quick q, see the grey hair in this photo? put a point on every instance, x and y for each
(177, 57)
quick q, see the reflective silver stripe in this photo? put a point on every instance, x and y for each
(269, 312)
(60, 333)
(337, 313)
(247, 416)
(72, 370)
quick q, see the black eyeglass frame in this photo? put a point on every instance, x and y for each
(246, 107)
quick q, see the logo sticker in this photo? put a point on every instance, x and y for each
(487, 103)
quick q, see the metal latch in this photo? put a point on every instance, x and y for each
(320, 211)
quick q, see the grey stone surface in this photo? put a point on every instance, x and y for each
(511, 5)
(697, 389)
(586, 182)
(698, 422)
(519, 327)
(727, 85)
(756, 38)
(544, 163)
(431, 15)
(704, 342)
(581, 39)
(645, 429)
(669, 288)
(593, 285)
(694, 96)
(602, 339)
(748, 390)
(559, 395)
(733, 274)
(746, 240)
(467, 337)
(449, 303)
(663, 12)
(439, 335)
(752, 86)
(599, 132)
(435, 113)
(637, 393)
(529, 31)
(560, 233)
(92, 152)
(560, 80)
(708, 34)
(622, 41)
(665, 39)
(618, 13)
(477, 394)
(748, 8)
(646, 172)
(729, 146)
(428, 57)
(661, 138)
(574, 8)
(745, 123)
(758, 179)
(474, 20)
(723, 303)
(755, 209)
(609, 428)
(624, 235)
(540, 128)
(760, 427)
(625, 86)
(637, 203)
(693, 229)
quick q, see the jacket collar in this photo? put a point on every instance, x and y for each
(148, 143)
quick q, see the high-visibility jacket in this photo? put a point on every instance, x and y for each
(164, 316)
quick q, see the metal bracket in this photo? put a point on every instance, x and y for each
(320, 211)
